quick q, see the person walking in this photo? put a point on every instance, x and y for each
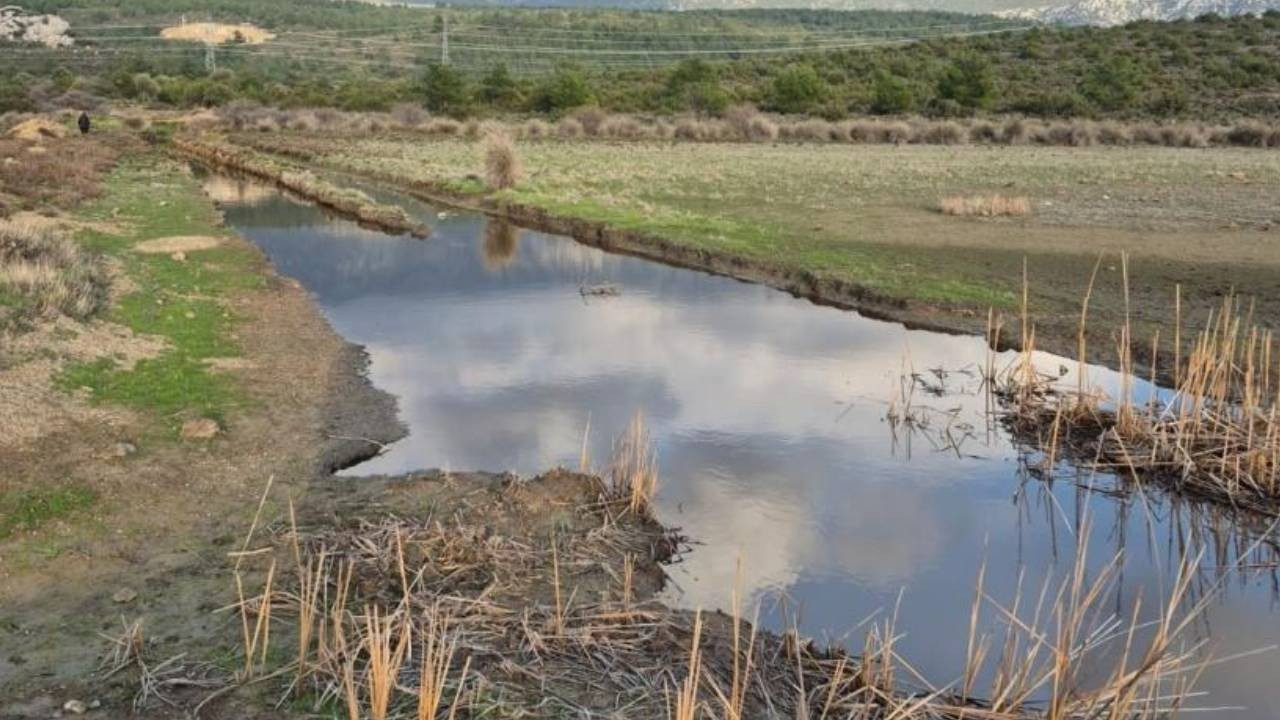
(83, 122)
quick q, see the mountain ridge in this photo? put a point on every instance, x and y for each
(1119, 12)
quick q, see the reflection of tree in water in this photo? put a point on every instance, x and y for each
(501, 241)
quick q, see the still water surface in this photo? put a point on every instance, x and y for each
(768, 414)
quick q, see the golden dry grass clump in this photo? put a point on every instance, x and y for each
(49, 273)
(502, 166)
(985, 206)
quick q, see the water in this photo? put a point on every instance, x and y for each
(768, 413)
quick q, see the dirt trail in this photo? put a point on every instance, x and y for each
(166, 512)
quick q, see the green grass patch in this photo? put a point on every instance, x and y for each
(29, 509)
(178, 300)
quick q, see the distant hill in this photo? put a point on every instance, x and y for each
(1120, 12)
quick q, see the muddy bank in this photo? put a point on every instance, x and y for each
(348, 202)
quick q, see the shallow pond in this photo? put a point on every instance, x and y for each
(769, 417)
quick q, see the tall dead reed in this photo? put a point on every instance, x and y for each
(634, 468)
(1213, 435)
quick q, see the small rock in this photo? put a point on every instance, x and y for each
(95, 704)
(179, 256)
(75, 707)
(200, 429)
(189, 315)
(123, 449)
(124, 595)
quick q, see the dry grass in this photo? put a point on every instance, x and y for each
(985, 206)
(1216, 436)
(634, 470)
(49, 273)
(744, 123)
(502, 166)
(478, 578)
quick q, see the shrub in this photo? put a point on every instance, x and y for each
(49, 272)
(502, 166)
(1014, 132)
(591, 119)
(798, 89)
(969, 82)
(1249, 134)
(569, 128)
(536, 129)
(408, 115)
(891, 94)
(940, 133)
(1113, 134)
(984, 132)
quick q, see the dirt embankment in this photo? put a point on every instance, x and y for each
(346, 201)
(115, 517)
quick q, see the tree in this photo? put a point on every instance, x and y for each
(1112, 83)
(565, 89)
(445, 90)
(968, 82)
(498, 88)
(798, 89)
(891, 94)
(694, 84)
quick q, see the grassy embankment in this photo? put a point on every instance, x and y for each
(177, 298)
(868, 216)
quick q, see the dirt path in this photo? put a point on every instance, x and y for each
(151, 543)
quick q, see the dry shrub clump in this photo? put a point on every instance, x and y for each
(408, 115)
(502, 166)
(569, 129)
(536, 129)
(50, 274)
(985, 206)
(55, 173)
(591, 118)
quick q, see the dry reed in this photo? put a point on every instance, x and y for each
(1214, 435)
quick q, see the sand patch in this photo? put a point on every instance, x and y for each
(218, 33)
(178, 243)
(37, 129)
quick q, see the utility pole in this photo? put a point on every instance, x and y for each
(210, 58)
(444, 43)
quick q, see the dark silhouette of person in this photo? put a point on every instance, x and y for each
(83, 122)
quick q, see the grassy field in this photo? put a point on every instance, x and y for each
(1202, 219)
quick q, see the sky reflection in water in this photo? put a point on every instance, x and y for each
(768, 414)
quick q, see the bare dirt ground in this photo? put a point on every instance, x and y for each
(152, 542)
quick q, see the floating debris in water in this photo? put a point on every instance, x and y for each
(601, 290)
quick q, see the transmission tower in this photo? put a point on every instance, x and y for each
(444, 43)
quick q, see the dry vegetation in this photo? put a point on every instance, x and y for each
(746, 124)
(49, 273)
(535, 599)
(1215, 436)
(502, 166)
(985, 206)
(38, 175)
